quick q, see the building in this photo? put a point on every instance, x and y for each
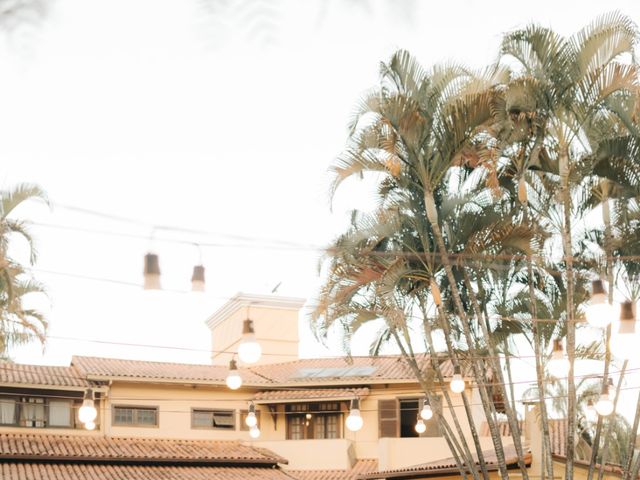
(168, 420)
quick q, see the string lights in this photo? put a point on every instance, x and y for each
(457, 382)
(624, 342)
(233, 380)
(426, 413)
(559, 364)
(249, 349)
(354, 420)
(87, 412)
(420, 426)
(604, 405)
(599, 311)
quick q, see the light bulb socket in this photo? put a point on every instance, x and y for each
(605, 389)
(425, 402)
(151, 272)
(557, 346)
(197, 279)
(626, 312)
(597, 288)
(247, 327)
(233, 365)
(457, 370)
(355, 404)
(88, 394)
(252, 408)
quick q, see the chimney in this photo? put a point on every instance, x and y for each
(275, 321)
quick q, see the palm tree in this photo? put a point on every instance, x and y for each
(481, 178)
(18, 324)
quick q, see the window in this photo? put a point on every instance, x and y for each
(314, 420)
(397, 418)
(243, 416)
(135, 416)
(36, 412)
(216, 419)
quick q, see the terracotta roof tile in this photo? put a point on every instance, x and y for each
(361, 467)
(12, 373)
(315, 371)
(310, 394)
(98, 448)
(49, 471)
(447, 465)
(344, 370)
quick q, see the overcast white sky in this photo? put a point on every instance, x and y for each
(185, 113)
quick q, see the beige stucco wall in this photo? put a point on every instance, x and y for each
(175, 404)
(276, 331)
(313, 454)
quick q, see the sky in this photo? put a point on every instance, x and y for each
(210, 116)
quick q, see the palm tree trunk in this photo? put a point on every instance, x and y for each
(571, 326)
(606, 218)
(465, 400)
(632, 441)
(463, 449)
(605, 449)
(497, 368)
(478, 367)
(547, 460)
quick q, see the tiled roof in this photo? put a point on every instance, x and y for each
(12, 373)
(97, 449)
(345, 370)
(361, 467)
(314, 371)
(445, 466)
(49, 471)
(98, 367)
(310, 394)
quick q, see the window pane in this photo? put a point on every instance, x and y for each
(123, 416)
(7, 411)
(146, 417)
(59, 413)
(318, 426)
(224, 420)
(332, 422)
(296, 426)
(202, 419)
(32, 412)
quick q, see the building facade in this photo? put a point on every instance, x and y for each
(301, 406)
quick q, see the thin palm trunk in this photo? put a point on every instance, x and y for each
(547, 461)
(605, 450)
(478, 368)
(465, 400)
(571, 327)
(459, 446)
(497, 368)
(632, 441)
(606, 217)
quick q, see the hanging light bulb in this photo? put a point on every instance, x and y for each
(559, 364)
(457, 382)
(151, 272)
(197, 279)
(625, 341)
(354, 420)
(599, 312)
(254, 432)
(249, 349)
(590, 412)
(90, 426)
(420, 426)
(604, 405)
(87, 412)
(234, 380)
(426, 413)
(251, 420)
